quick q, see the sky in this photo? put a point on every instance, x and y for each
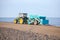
(12, 8)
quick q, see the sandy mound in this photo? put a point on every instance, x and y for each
(13, 34)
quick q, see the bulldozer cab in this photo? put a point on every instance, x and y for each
(22, 15)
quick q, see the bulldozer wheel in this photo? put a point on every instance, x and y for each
(21, 21)
(15, 21)
(35, 22)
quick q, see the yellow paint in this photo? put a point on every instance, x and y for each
(21, 21)
(14, 21)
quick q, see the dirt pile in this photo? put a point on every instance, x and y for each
(13, 34)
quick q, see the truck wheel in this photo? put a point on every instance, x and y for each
(35, 22)
(21, 21)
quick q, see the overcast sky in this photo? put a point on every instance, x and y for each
(48, 8)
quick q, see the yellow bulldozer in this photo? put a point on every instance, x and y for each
(22, 19)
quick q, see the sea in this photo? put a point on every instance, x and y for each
(52, 21)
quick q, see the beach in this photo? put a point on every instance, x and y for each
(29, 32)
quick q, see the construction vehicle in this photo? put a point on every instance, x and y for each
(22, 19)
(36, 20)
(32, 19)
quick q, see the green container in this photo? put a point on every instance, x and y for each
(42, 17)
(45, 22)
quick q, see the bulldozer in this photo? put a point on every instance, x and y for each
(32, 19)
(22, 19)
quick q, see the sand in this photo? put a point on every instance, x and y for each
(52, 32)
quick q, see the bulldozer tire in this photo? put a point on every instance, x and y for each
(35, 22)
(21, 20)
(15, 21)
